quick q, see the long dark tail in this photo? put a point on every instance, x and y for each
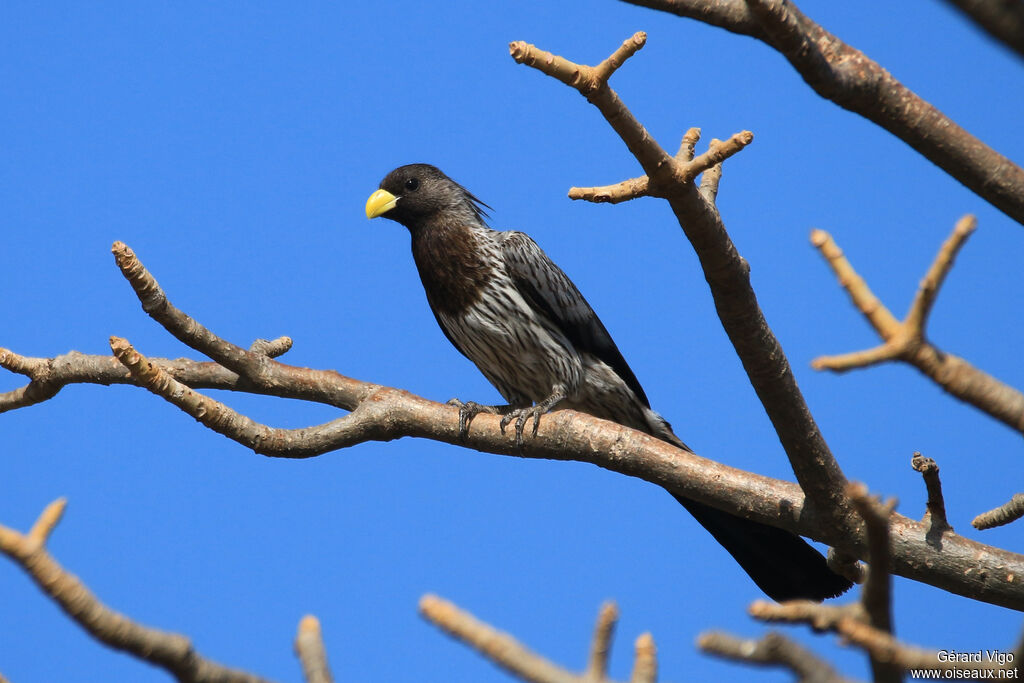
(781, 563)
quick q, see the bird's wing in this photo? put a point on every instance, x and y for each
(552, 294)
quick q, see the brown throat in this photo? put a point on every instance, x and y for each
(452, 265)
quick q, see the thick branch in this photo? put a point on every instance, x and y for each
(906, 341)
(381, 413)
(728, 276)
(846, 76)
(962, 566)
(170, 651)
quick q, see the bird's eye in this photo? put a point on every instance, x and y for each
(412, 184)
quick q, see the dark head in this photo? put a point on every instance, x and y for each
(417, 193)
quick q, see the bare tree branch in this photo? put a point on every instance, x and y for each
(500, 648)
(169, 651)
(309, 647)
(728, 276)
(844, 75)
(1003, 19)
(935, 513)
(906, 341)
(78, 368)
(508, 653)
(382, 413)
(772, 649)
(868, 623)
(1010, 511)
(880, 645)
(706, 163)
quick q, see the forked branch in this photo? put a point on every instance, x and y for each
(906, 340)
(508, 653)
(727, 274)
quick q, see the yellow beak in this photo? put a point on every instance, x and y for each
(379, 203)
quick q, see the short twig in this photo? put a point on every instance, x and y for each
(645, 663)
(600, 645)
(935, 508)
(1009, 511)
(309, 647)
(272, 348)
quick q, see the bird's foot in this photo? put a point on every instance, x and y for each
(470, 409)
(523, 415)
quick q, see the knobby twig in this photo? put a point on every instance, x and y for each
(935, 508)
(309, 647)
(905, 340)
(772, 649)
(1003, 20)
(1009, 511)
(728, 276)
(601, 644)
(844, 75)
(382, 413)
(169, 651)
(509, 654)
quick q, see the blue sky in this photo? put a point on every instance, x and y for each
(233, 146)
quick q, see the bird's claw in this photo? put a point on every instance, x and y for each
(522, 416)
(467, 411)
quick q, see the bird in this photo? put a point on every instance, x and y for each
(505, 305)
